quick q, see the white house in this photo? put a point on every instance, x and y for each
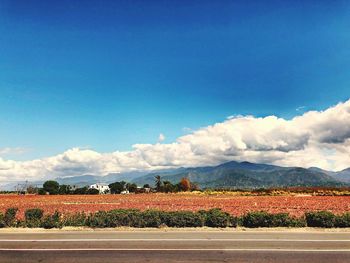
(102, 188)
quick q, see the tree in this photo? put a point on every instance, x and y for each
(51, 187)
(64, 189)
(168, 187)
(32, 189)
(131, 187)
(92, 191)
(146, 186)
(81, 191)
(185, 184)
(195, 187)
(158, 183)
(117, 187)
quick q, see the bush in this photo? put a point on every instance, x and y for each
(2, 220)
(97, 219)
(131, 218)
(342, 220)
(51, 221)
(76, 219)
(256, 219)
(153, 218)
(116, 218)
(41, 191)
(183, 219)
(218, 218)
(265, 219)
(33, 217)
(125, 217)
(10, 216)
(285, 220)
(320, 219)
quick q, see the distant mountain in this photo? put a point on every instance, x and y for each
(343, 175)
(227, 175)
(245, 175)
(84, 180)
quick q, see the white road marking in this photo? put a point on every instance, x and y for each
(172, 240)
(176, 249)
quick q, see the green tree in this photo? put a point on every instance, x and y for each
(51, 187)
(92, 191)
(81, 191)
(168, 187)
(158, 183)
(117, 187)
(64, 189)
(131, 187)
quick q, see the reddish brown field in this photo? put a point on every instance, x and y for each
(236, 205)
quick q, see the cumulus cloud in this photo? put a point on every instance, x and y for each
(315, 138)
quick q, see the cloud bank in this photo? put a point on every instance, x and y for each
(315, 138)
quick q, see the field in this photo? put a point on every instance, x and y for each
(236, 205)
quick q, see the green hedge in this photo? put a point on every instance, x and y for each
(156, 218)
(327, 219)
(264, 219)
(10, 216)
(342, 220)
(33, 217)
(2, 221)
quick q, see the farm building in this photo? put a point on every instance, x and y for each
(102, 188)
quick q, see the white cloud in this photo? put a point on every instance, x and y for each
(315, 138)
(16, 151)
(161, 137)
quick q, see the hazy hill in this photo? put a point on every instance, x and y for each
(245, 175)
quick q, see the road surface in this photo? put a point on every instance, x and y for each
(175, 246)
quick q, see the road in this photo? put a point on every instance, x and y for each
(175, 246)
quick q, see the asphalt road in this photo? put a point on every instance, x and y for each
(175, 246)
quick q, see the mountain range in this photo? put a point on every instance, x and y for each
(227, 175)
(251, 175)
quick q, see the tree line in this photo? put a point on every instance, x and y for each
(52, 187)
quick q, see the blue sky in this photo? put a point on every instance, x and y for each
(109, 74)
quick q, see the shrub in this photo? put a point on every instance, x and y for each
(218, 218)
(116, 218)
(51, 221)
(265, 219)
(342, 220)
(2, 220)
(41, 191)
(97, 219)
(285, 220)
(256, 219)
(76, 219)
(153, 218)
(10, 216)
(183, 219)
(124, 217)
(33, 217)
(320, 219)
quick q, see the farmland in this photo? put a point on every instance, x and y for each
(235, 205)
